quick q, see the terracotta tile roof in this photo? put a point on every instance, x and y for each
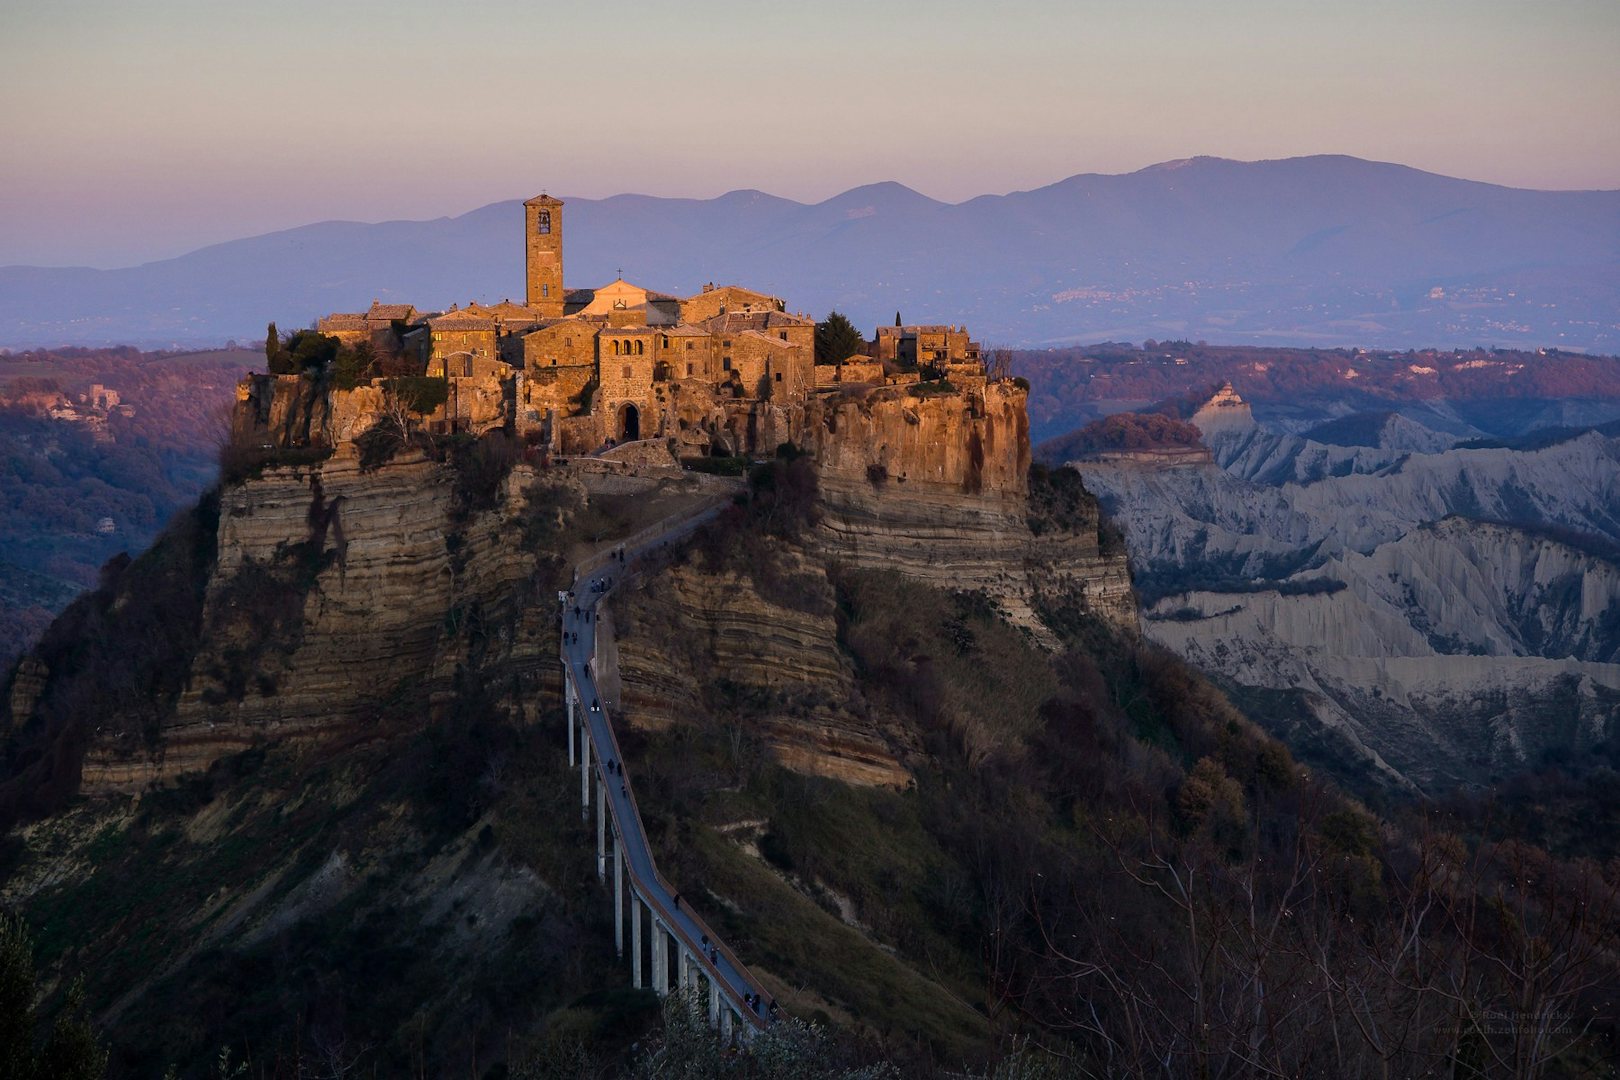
(738, 321)
(390, 312)
(462, 320)
(342, 321)
(767, 339)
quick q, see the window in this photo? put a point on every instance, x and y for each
(626, 371)
(641, 347)
(688, 371)
(688, 346)
(778, 376)
(542, 222)
(783, 335)
(725, 362)
(615, 347)
(545, 291)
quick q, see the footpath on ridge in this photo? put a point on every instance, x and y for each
(734, 994)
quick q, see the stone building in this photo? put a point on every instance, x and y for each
(728, 370)
(938, 346)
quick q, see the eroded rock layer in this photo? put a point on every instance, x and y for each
(335, 589)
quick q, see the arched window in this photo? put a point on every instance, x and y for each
(615, 346)
(543, 222)
(641, 347)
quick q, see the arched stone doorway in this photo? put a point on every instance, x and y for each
(629, 423)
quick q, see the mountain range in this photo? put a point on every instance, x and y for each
(1313, 250)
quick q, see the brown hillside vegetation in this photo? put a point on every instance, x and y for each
(1066, 379)
(83, 485)
(1123, 432)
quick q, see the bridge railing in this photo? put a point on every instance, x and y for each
(653, 893)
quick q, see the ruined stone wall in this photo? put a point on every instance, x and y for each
(840, 374)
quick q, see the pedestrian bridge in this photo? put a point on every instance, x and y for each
(670, 946)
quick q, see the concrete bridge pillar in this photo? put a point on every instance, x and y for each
(725, 1023)
(584, 774)
(635, 941)
(714, 1003)
(683, 970)
(618, 897)
(601, 829)
(660, 958)
(568, 685)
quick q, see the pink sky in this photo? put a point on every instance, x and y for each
(136, 131)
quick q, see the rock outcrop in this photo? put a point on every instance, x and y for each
(937, 489)
(683, 632)
(333, 590)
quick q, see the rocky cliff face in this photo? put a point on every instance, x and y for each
(334, 590)
(775, 659)
(937, 489)
(330, 592)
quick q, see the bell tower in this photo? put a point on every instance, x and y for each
(542, 226)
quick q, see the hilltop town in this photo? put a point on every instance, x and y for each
(725, 371)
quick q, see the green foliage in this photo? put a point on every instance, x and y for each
(239, 462)
(1059, 501)
(274, 360)
(783, 494)
(312, 353)
(936, 386)
(718, 466)
(353, 364)
(118, 657)
(837, 339)
(70, 1051)
(421, 394)
(481, 468)
(791, 1049)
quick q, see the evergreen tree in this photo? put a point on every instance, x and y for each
(897, 321)
(837, 339)
(71, 1051)
(272, 349)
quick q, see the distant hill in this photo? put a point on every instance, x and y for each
(1316, 250)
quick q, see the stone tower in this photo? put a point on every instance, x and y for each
(542, 227)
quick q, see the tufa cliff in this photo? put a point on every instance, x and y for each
(326, 587)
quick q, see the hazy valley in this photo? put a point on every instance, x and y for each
(1391, 588)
